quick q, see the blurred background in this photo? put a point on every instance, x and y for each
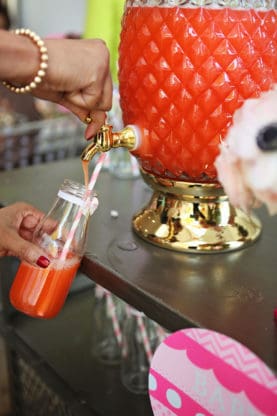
(33, 131)
(52, 16)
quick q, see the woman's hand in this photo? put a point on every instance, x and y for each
(78, 74)
(78, 77)
(17, 225)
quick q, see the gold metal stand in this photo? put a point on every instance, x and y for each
(193, 217)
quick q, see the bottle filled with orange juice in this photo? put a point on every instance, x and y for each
(41, 292)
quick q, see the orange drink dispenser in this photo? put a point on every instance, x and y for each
(185, 66)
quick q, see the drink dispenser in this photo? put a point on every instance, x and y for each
(184, 69)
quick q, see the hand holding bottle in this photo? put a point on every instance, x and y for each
(40, 292)
(17, 225)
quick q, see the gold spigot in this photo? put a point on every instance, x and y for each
(105, 140)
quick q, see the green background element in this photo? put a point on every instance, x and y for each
(103, 20)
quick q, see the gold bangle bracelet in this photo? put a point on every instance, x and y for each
(42, 66)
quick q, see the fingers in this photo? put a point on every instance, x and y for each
(31, 220)
(25, 250)
(91, 99)
(48, 226)
(16, 221)
(97, 96)
(98, 119)
(92, 88)
(19, 215)
(28, 213)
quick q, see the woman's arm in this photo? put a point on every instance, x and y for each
(78, 74)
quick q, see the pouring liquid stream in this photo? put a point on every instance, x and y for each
(85, 164)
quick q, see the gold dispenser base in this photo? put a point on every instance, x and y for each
(193, 218)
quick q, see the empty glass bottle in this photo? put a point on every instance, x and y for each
(140, 340)
(107, 321)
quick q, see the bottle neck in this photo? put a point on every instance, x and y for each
(62, 233)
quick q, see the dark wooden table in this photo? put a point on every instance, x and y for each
(233, 293)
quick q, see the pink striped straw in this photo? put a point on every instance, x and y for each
(96, 172)
(100, 292)
(112, 310)
(80, 212)
(145, 338)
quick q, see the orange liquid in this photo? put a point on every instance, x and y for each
(41, 293)
(85, 164)
(182, 74)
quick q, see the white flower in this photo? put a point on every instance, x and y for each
(248, 173)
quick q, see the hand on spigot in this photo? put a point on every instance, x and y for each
(78, 77)
(69, 72)
(76, 73)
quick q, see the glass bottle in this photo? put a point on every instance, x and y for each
(108, 318)
(39, 292)
(140, 339)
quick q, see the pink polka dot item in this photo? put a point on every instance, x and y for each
(197, 372)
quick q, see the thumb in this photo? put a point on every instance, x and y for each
(25, 250)
(98, 119)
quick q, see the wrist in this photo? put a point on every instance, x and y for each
(19, 58)
(36, 79)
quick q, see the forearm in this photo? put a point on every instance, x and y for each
(19, 58)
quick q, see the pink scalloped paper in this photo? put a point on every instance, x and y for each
(197, 372)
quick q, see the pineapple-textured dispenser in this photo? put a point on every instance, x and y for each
(184, 68)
